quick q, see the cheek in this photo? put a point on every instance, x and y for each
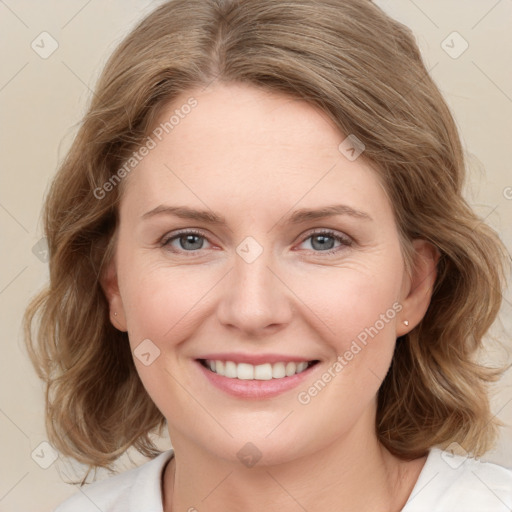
(358, 308)
(161, 301)
(161, 305)
(349, 301)
(359, 312)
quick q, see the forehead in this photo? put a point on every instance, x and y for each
(250, 146)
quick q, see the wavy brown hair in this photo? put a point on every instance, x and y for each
(364, 70)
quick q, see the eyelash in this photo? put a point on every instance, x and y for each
(344, 240)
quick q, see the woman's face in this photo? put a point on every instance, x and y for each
(255, 278)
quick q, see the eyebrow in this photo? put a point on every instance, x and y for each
(297, 217)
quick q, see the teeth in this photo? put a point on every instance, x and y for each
(301, 367)
(290, 369)
(245, 371)
(278, 371)
(263, 371)
(229, 369)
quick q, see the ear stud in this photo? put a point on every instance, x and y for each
(406, 322)
(115, 313)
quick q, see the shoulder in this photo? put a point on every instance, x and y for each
(136, 489)
(453, 483)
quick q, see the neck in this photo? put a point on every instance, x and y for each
(350, 474)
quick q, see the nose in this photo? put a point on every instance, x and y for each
(255, 299)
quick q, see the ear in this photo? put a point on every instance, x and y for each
(417, 288)
(109, 284)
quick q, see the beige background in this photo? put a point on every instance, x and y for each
(42, 99)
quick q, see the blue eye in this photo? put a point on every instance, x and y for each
(188, 241)
(324, 239)
(192, 241)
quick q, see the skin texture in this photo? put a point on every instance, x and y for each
(255, 157)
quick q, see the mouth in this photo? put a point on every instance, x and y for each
(256, 376)
(265, 371)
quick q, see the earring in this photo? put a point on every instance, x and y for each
(115, 313)
(406, 322)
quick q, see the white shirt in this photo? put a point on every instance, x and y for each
(447, 483)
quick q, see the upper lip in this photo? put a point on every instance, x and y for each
(255, 359)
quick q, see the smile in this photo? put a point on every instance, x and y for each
(265, 371)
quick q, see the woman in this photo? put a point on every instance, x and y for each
(258, 240)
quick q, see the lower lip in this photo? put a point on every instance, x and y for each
(259, 389)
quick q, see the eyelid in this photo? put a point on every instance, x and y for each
(327, 231)
(185, 231)
(344, 239)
